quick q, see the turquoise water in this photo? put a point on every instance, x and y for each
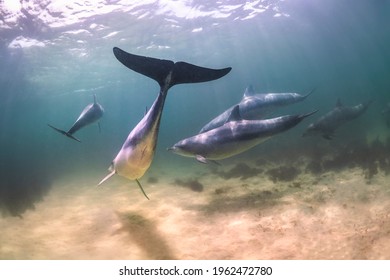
(52, 65)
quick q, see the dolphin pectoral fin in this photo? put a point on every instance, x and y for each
(64, 133)
(107, 177)
(142, 190)
(201, 159)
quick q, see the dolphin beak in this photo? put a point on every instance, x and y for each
(107, 177)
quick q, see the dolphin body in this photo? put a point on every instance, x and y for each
(136, 154)
(255, 106)
(234, 137)
(91, 113)
(328, 123)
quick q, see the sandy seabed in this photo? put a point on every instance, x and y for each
(329, 216)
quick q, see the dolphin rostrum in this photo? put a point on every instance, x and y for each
(255, 106)
(136, 154)
(91, 113)
(234, 137)
(328, 123)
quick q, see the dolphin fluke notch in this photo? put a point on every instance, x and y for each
(64, 133)
(159, 69)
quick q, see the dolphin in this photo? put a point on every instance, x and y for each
(256, 106)
(234, 137)
(328, 123)
(91, 113)
(136, 154)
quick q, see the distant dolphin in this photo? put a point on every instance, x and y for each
(328, 123)
(137, 152)
(255, 106)
(91, 113)
(234, 137)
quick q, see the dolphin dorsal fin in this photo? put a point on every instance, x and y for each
(249, 91)
(339, 104)
(235, 114)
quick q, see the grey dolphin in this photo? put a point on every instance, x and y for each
(328, 123)
(234, 137)
(256, 106)
(91, 113)
(136, 154)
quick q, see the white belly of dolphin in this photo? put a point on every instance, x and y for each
(133, 162)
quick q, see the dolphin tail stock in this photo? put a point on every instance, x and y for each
(159, 69)
(64, 133)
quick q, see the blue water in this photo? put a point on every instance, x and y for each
(52, 65)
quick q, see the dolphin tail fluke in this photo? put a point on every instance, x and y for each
(142, 189)
(184, 73)
(107, 177)
(159, 69)
(64, 133)
(154, 68)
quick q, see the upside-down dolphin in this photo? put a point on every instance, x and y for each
(136, 154)
(235, 136)
(91, 113)
(328, 123)
(255, 106)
